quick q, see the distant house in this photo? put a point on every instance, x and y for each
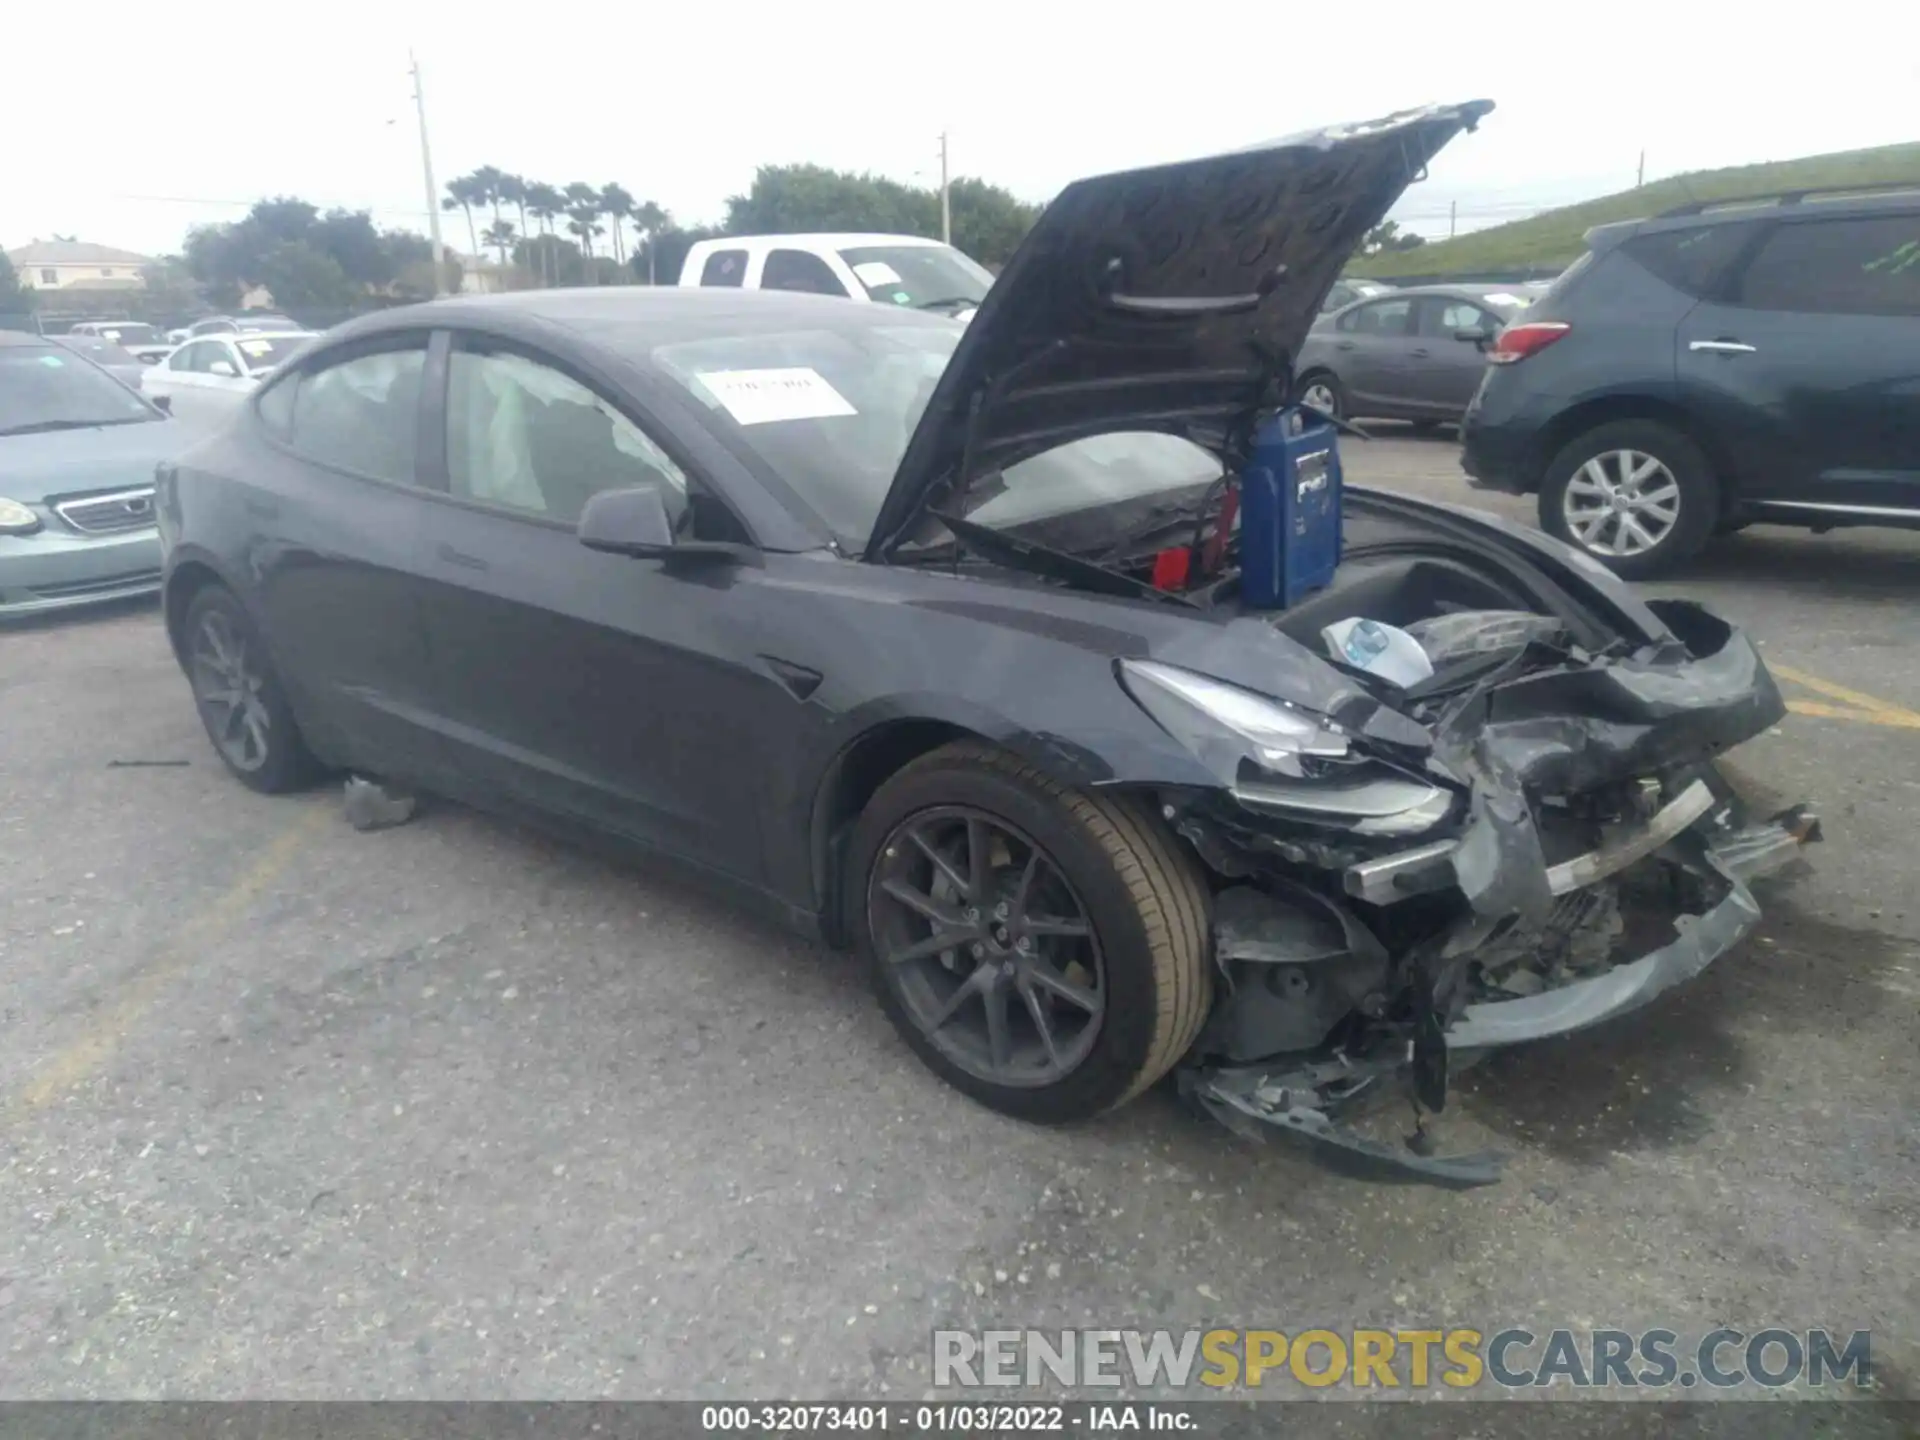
(77, 265)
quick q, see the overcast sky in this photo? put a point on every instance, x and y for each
(142, 119)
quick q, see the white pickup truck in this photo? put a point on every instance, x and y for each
(882, 269)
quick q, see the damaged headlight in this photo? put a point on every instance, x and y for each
(1274, 757)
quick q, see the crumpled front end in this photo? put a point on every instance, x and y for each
(1592, 857)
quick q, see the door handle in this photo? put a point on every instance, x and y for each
(1421, 353)
(1343, 344)
(461, 558)
(1722, 347)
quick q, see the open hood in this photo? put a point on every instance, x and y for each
(1172, 298)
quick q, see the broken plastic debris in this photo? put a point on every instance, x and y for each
(370, 805)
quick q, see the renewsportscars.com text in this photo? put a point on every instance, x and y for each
(1383, 1360)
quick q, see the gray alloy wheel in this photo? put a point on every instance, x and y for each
(1621, 503)
(1319, 394)
(227, 685)
(996, 959)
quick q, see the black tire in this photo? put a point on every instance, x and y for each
(1334, 389)
(1143, 895)
(283, 761)
(1697, 489)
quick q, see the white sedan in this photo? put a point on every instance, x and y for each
(206, 379)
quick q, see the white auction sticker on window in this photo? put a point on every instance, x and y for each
(876, 272)
(760, 397)
(258, 347)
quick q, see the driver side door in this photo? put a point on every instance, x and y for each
(614, 691)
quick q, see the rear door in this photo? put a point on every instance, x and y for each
(1810, 360)
(1373, 348)
(616, 691)
(335, 519)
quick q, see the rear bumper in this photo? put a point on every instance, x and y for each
(56, 570)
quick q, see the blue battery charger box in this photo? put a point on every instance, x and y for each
(1289, 510)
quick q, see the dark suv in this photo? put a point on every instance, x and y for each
(1720, 364)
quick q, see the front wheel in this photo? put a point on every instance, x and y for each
(1636, 495)
(1040, 948)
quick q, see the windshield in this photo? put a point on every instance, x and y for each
(918, 274)
(50, 389)
(831, 411)
(263, 353)
(131, 333)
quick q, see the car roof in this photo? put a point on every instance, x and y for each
(822, 240)
(621, 316)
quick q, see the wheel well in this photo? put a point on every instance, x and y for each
(1570, 424)
(851, 781)
(187, 581)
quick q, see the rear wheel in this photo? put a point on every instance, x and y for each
(1322, 391)
(1636, 495)
(239, 696)
(1040, 948)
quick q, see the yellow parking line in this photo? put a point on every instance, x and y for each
(102, 1037)
(1863, 716)
(1855, 705)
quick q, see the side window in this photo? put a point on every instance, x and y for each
(190, 357)
(800, 270)
(725, 267)
(1444, 317)
(1694, 261)
(363, 414)
(1838, 267)
(523, 435)
(1383, 317)
(223, 360)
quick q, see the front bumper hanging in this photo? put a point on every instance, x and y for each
(1303, 1101)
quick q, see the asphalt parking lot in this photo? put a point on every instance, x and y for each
(454, 1111)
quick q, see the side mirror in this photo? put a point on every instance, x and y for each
(635, 522)
(162, 403)
(627, 522)
(1474, 335)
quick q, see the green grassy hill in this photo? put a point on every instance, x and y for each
(1552, 238)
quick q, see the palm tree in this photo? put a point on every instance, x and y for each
(501, 236)
(617, 205)
(513, 190)
(487, 181)
(583, 210)
(546, 205)
(650, 220)
(461, 195)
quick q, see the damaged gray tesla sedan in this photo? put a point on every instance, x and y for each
(943, 642)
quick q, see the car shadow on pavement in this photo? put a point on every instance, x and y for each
(1861, 565)
(1651, 1081)
(82, 615)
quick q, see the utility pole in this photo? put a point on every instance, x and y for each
(946, 209)
(1453, 217)
(433, 191)
(1641, 178)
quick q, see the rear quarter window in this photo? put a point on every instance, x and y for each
(725, 268)
(1694, 260)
